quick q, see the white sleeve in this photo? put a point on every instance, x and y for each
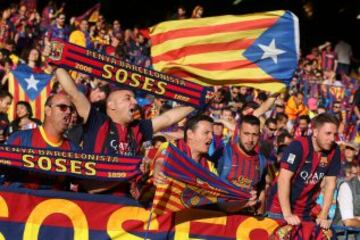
(345, 201)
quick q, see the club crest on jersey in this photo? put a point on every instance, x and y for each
(323, 161)
(192, 197)
(56, 50)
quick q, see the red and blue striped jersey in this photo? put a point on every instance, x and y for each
(36, 138)
(101, 135)
(241, 169)
(309, 167)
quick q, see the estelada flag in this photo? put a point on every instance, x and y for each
(257, 50)
(92, 14)
(26, 85)
(190, 185)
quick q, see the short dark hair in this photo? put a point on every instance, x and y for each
(49, 100)
(262, 96)
(323, 118)
(280, 140)
(305, 117)
(191, 123)
(281, 116)
(228, 109)
(270, 120)
(27, 106)
(158, 138)
(250, 119)
(4, 94)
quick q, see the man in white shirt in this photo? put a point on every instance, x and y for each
(344, 53)
(348, 210)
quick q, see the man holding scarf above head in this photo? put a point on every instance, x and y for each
(116, 132)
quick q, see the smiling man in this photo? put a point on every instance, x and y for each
(305, 164)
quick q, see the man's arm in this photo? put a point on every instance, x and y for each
(284, 182)
(170, 117)
(81, 103)
(354, 222)
(329, 188)
(265, 106)
(345, 205)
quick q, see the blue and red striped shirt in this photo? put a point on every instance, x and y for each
(36, 138)
(309, 167)
(101, 135)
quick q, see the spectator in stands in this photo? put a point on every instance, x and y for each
(58, 110)
(242, 164)
(303, 127)
(5, 101)
(197, 12)
(81, 36)
(116, 132)
(344, 53)
(295, 107)
(348, 201)
(23, 119)
(306, 163)
(328, 57)
(59, 30)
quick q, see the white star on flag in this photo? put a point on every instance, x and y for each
(271, 51)
(32, 82)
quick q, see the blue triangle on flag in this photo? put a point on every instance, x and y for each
(32, 83)
(276, 50)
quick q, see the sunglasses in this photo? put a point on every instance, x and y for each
(272, 129)
(336, 106)
(63, 107)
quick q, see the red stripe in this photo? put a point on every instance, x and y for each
(103, 166)
(38, 102)
(100, 137)
(205, 30)
(225, 65)
(165, 207)
(106, 175)
(203, 48)
(16, 96)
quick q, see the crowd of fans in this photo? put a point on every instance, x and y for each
(324, 82)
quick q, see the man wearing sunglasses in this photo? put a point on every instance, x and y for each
(58, 110)
(116, 132)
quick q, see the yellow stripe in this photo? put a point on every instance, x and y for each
(208, 39)
(32, 104)
(210, 57)
(201, 22)
(270, 87)
(47, 140)
(246, 73)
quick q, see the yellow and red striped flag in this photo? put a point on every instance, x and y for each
(190, 185)
(258, 50)
(26, 85)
